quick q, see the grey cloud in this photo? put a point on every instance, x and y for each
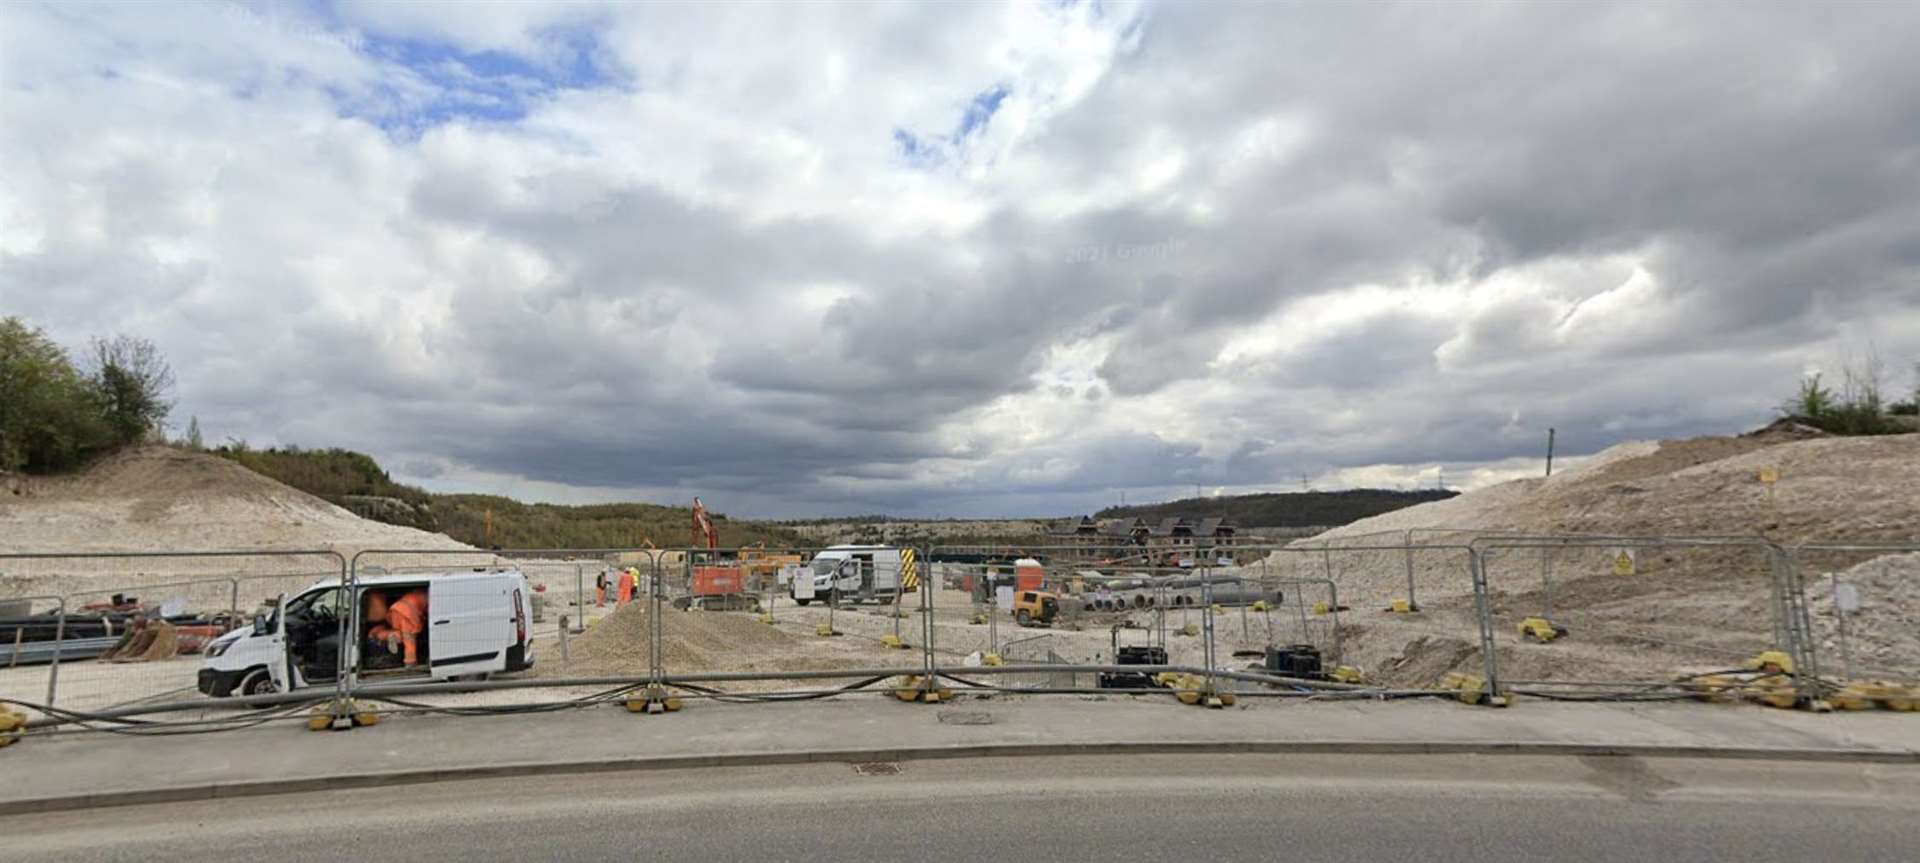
(589, 328)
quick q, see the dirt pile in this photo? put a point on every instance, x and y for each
(1663, 611)
(1882, 637)
(1829, 488)
(159, 499)
(693, 641)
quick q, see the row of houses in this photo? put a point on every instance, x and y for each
(1168, 538)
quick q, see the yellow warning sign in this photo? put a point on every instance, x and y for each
(1769, 475)
(909, 572)
(1623, 562)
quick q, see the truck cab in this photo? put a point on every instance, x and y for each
(852, 574)
(476, 624)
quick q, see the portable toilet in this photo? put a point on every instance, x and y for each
(1028, 574)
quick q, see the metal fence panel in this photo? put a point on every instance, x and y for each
(31, 651)
(1864, 609)
(1630, 613)
(138, 628)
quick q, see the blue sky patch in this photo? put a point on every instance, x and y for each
(923, 151)
(980, 111)
(446, 84)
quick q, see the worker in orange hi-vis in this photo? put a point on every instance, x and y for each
(600, 590)
(379, 634)
(408, 617)
(626, 588)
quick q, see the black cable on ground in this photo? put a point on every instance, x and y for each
(742, 698)
(1620, 697)
(506, 709)
(151, 728)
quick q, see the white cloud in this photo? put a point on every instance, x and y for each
(582, 251)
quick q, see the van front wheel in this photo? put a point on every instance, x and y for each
(256, 682)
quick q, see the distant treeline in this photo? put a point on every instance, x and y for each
(1285, 509)
(332, 474)
(604, 525)
(357, 482)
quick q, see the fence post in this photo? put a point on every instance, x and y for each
(1333, 599)
(345, 678)
(1206, 618)
(1412, 604)
(1799, 621)
(656, 617)
(53, 668)
(1478, 565)
(579, 598)
(1546, 581)
(924, 568)
(993, 607)
(1840, 616)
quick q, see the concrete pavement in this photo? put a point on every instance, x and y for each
(78, 770)
(1438, 808)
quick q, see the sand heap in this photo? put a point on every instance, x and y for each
(1681, 609)
(159, 499)
(693, 641)
(1883, 635)
(1829, 488)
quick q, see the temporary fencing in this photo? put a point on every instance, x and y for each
(33, 646)
(1863, 609)
(129, 628)
(1395, 613)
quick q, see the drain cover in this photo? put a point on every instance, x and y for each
(966, 717)
(877, 768)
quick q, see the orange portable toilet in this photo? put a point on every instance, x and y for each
(1028, 574)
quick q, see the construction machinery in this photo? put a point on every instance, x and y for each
(1293, 660)
(1133, 654)
(1035, 607)
(763, 567)
(715, 585)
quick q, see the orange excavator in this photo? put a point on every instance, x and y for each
(703, 527)
(715, 586)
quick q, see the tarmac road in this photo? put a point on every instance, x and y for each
(1429, 809)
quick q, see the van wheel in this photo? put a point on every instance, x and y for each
(256, 682)
(1023, 618)
(797, 601)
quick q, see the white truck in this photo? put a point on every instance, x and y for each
(852, 574)
(477, 624)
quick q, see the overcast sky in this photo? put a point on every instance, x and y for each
(966, 259)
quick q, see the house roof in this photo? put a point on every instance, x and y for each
(1172, 525)
(1213, 526)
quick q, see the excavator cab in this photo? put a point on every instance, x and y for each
(1035, 608)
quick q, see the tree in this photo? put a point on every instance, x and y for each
(48, 417)
(1812, 402)
(194, 442)
(131, 380)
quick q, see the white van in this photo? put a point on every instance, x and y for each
(853, 574)
(476, 625)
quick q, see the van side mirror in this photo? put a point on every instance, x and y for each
(259, 624)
